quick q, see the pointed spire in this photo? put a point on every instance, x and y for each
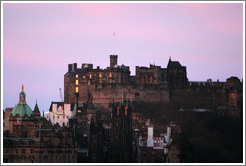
(22, 88)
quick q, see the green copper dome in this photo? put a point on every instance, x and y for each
(22, 108)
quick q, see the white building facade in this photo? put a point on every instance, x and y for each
(60, 113)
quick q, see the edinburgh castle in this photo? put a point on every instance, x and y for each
(150, 84)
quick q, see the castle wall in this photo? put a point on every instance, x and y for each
(199, 97)
(112, 92)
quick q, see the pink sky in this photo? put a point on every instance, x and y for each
(40, 40)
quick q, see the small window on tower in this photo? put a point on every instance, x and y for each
(77, 89)
(84, 77)
(110, 74)
(77, 76)
(90, 75)
(77, 82)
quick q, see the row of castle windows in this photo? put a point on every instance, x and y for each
(90, 76)
(23, 151)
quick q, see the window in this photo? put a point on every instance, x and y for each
(77, 76)
(90, 76)
(77, 89)
(32, 151)
(57, 117)
(16, 151)
(77, 82)
(84, 77)
(23, 151)
(3, 124)
(110, 74)
(100, 75)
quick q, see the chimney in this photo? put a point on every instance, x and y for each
(169, 130)
(69, 67)
(150, 136)
(113, 60)
(74, 66)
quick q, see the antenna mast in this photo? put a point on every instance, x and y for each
(114, 43)
(61, 97)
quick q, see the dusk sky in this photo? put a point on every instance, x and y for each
(40, 40)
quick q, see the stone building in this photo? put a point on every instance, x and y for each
(33, 139)
(154, 142)
(121, 131)
(60, 113)
(102, 86)
(6, 115)
(176, 74)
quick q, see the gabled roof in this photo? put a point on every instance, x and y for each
(58, 104)
(173, 64)
(61, 104)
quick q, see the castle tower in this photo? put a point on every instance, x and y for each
(113, 60)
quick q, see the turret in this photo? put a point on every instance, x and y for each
(113, 60)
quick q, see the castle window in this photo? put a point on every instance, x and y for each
(100, 75)
(90, 75)
(32, 151)
(84, 76)
(77, 76)
(136, 94)
(110, 74)
(77, 82)
(57, 117)
(77, 89)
